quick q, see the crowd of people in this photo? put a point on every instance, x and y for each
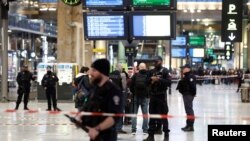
(96, 89)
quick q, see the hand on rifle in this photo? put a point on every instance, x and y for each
(93, 132)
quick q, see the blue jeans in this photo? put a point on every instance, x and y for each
(143, 102)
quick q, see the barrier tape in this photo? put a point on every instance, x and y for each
(156, 116)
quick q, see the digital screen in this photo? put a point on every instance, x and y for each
(103, 3)
(151, 25)
(105, 26)
(179, 41)
(178, 52)
(197, 41)
(194, 60)
(151, 2)
(196, 52)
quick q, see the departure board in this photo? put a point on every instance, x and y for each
(151, 25)
(105, 27)
(151, 2)
(104, 4)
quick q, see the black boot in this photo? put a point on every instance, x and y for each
(188, 128)
(150, 138)
(25, 106)
(166, 137)
(17, 105)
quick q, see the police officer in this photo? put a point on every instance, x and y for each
(23, 80)
(187, 87)
(105, 97)
(159, 81)
(49, 84)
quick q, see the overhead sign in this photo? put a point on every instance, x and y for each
(228, 51)
(232, 20)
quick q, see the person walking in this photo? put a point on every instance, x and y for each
(105, 97)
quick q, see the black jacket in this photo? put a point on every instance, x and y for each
(49, 80)
(23, 79)
(162, 85)
(187, 85)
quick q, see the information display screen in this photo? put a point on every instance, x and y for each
(153, 25)
(153, 4)
(179, 41)
(196, 52)
(197, 40)
(107, 25)
(196, 60)
(104, 4)
(178, 52)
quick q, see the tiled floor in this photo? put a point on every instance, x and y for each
(214, 104)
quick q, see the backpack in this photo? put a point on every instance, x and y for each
(140, 81)
(116, 78)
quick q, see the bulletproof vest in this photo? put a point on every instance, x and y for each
(25, 77)
(96, 100)
(50, 80)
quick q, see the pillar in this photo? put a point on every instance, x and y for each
(69, 36)
(244, 44)
(121, 53)
(100, 49)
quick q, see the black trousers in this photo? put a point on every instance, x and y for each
(188, 105)
(158, 105)
(51, 95)
(21, 92)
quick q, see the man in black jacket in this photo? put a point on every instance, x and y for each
(49, 84)
(23, 80)
(105, 97)
(139, 90)
(159, 81)
(187, 87)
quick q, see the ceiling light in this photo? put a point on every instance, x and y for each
(198, 10)
(191, 10)
(185, 11)
(43, 9)
(198, 20)
(52, 9)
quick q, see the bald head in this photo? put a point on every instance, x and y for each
(142, 66)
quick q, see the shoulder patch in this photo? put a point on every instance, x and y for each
(191, 79)
(116, 99)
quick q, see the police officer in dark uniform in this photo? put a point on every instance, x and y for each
(105, 97)
(187, 87)
(23, 80)
(49, 84)
(159, 81)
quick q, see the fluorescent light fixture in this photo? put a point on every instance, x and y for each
(43, 9)
(52, 9)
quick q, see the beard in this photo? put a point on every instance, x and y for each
(96, 81)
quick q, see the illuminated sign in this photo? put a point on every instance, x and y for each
(231, 27)
(72, 2)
